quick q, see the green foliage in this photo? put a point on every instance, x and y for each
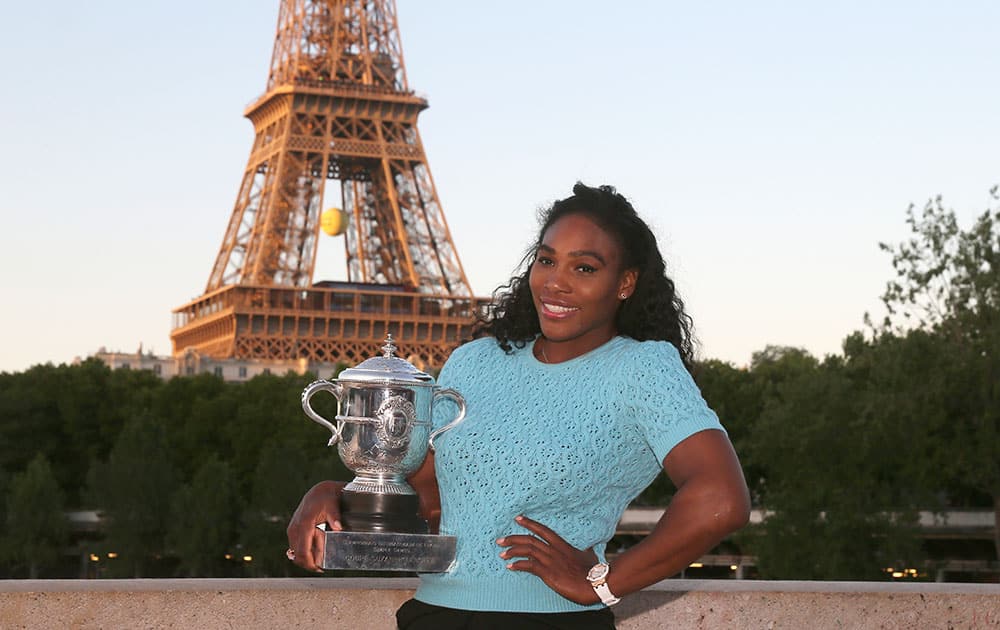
(203, 520)
(197, 410)
(133, 488)
(948, 286)
(851, 447)
(71, 414)
(36, 530)
(737, 396)
(184, 471)
(30, 422)
(831, 485)
(278, 483)
(770, 369)
(284, 471)
(4, 485)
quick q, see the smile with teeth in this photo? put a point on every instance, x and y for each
(556, 309)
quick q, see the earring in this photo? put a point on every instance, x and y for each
(624, 296)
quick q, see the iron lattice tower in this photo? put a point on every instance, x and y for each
(337, 111)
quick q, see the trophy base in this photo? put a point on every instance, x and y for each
(381, 513)
(369, 551)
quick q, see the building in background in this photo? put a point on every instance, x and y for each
(191, 363)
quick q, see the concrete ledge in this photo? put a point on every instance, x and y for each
(371, 603)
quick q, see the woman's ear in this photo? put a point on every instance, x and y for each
(627, 285)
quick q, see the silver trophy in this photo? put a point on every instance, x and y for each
(383, 432)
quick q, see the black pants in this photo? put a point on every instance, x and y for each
(416, 615)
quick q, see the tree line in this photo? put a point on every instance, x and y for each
(198, 477)
(192, 468)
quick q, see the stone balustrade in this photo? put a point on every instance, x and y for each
(359, 604)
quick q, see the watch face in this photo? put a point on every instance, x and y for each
(597, 572)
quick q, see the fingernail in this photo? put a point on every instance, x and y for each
(518, 518)
(499, 541)
(510, 566)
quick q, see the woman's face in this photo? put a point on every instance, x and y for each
(576, 283)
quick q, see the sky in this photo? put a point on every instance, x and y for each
(771, 145)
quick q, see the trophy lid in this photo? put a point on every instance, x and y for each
(387, 368)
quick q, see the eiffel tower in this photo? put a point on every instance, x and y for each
(337, 113)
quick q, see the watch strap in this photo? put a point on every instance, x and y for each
(605, 594)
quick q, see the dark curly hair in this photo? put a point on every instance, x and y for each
(653, 311)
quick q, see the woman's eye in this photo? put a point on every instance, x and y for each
(543, 260)
(586, 268)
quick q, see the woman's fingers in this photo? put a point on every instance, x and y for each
(543, 532)
(310, 554)
(318, 549)
(547, 555)
(527, 565)
(520, 539)
(539, 552)
(307, 543)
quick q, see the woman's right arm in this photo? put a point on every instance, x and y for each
(424, 481)
(322, 505)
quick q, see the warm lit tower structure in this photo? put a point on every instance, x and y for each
(337, 119)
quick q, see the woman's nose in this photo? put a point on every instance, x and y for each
(556, 281)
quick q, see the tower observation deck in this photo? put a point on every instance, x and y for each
(337, 116)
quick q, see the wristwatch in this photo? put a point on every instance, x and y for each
(597, 576)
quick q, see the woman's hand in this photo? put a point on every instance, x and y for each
(560, 565)
(306, 542)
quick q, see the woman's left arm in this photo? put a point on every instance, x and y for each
(711, 502)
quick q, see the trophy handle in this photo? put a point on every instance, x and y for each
(323, 386)
(455, 396)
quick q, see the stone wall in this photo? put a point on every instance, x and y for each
(359, 604)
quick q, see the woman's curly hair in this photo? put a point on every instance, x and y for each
(654, 311)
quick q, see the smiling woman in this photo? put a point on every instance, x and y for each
(602, 238)
(578, 394)
(577, 281)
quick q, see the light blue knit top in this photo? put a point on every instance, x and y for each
(567, 444)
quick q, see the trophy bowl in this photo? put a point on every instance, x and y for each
(383, 432)
(381, 438)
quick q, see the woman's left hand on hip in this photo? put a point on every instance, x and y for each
(560, 565)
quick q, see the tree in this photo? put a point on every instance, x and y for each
(948, 284)
(4, 484)
(71, 414)
(770, 369)
(736, 395)
(133, 489)
(829, 489)
(196, 410)
(36, 523)
(93, 403)
(203, 518)
(283, 474)
(29, 416)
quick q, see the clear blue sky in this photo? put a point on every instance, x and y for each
(771, 144)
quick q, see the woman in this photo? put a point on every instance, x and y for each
(577, 396)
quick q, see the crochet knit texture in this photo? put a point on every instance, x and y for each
(568, 445)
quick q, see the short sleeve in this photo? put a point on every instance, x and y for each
(667, 404)
(445, 409)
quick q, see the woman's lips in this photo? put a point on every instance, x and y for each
(557, 311)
